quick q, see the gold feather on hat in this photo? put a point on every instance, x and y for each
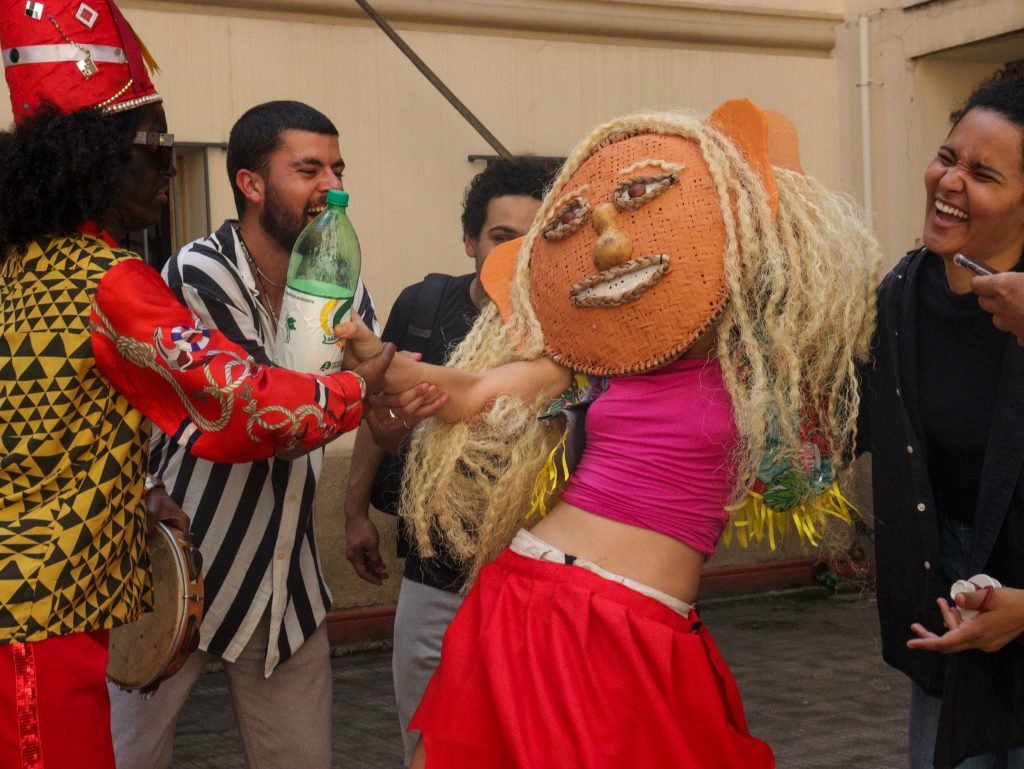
(151, 65)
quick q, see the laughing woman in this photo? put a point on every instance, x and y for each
(943, 417)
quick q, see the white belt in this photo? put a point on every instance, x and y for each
(45, 54)
(529, 545)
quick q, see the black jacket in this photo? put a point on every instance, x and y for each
(907, 555)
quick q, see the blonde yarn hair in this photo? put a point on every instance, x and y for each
(798, 318)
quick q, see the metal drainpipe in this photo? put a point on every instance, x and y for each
(865, 118)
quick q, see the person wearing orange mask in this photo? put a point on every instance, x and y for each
(705, 302)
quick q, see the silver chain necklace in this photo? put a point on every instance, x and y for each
(263, 293)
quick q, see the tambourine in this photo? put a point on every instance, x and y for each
(155, 646)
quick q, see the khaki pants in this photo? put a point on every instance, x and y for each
(284, 721)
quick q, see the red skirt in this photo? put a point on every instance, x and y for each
(547, 665)
(54, 706)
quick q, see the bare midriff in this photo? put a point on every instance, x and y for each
(646, 556)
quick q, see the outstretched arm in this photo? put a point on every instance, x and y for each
(202, 389)
(469, 392)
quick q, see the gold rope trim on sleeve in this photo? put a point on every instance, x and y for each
(237, 373)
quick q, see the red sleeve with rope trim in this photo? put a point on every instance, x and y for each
(202, 389)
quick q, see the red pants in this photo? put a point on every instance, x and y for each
(548, 666)
(54, 708)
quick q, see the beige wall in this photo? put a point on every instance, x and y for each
(539, 74)
(407, 148)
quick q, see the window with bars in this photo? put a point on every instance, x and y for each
(188, 215)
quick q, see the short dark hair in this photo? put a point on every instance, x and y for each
(1003, 93)
(58, 171)
(516, 175)
(256, 135)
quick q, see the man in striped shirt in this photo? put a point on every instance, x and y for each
(266, 597)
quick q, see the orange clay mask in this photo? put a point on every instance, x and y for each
(627, 270)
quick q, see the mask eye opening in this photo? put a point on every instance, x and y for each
(570, 217)
(640, 190)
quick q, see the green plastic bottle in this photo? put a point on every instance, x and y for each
(322, 277)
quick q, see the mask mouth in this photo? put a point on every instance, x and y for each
(620, 284)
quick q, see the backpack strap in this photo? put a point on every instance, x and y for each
(422, 325)
(420, 330)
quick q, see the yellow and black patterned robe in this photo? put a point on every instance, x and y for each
(71, 469)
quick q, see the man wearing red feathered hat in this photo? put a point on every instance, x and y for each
(90, 338)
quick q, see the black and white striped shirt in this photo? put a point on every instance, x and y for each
(253, 522)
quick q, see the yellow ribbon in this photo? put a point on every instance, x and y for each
(549, 479)
(753, 521)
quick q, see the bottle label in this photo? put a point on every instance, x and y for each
(305, 332)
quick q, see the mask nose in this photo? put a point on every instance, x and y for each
(613, 246)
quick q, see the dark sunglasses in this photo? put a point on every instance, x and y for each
(160, 144)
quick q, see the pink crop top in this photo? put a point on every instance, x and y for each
(658, 453)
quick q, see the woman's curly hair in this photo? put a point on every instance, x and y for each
(57, 171)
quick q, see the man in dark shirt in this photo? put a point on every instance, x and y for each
(432, 317)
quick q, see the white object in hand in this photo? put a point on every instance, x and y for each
(977, 582)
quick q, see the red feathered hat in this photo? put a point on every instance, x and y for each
(74, 55)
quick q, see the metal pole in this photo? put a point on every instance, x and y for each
(434, 79)
(865, 119)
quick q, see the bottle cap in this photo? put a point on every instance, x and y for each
(337, 198)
